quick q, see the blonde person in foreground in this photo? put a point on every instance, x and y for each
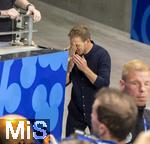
(136, 82)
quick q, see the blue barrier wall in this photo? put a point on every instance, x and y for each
(140, 22)
(34, 87)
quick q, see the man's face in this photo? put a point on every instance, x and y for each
(95, 122)
(137, 84)
(78, 45)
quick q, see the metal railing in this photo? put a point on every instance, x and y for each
(22, 30)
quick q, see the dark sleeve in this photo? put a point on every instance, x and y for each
(104, 69)
(147, 116)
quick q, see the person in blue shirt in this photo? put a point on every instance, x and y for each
(89, 70)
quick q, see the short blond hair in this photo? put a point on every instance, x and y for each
(134, 65)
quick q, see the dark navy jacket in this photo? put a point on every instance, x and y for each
(140, 124)
(83, 91)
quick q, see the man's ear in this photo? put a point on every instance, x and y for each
(87, 41)
(102, 129)
(122, 85)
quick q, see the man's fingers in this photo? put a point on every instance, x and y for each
(35, 13)
(77, 59)
(13, 13)
(28, 12)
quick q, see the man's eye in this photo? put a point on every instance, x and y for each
(147, 83)
(135, 83)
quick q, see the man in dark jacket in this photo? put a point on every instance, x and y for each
(136, 82)
(89, 70)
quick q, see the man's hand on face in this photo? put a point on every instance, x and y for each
(80, 62)
(72, 49)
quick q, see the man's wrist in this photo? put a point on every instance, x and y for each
(86, 70)
(28, 5)
(3, 13)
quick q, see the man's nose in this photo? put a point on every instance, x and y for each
(142, 87)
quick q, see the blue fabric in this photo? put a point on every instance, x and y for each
(34, 87)
(140, 29)
(88, 139)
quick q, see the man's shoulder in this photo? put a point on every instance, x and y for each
(101, 50)
(98, 47)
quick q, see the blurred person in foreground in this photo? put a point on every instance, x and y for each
(113, 115)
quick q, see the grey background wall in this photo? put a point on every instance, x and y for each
(115, 13)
